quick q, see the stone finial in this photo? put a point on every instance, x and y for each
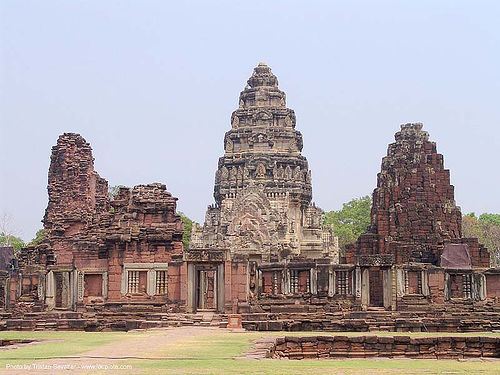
(412, 131)
(262, 76)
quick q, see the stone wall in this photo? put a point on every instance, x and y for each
(324, 347)
(92, 240)
(414, 212)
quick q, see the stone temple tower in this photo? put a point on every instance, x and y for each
(263, 194)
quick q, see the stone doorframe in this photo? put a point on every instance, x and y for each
(91, 271)
(192, 274)
(387, 286)
(69, 287)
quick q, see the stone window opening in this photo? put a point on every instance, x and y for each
(161, 282)
(467, 286)
(92, 285)
(137, 282)
(271, 282)
(413, 282)
(275, 282)
(343, 282)
(300, 281)
(294, 281)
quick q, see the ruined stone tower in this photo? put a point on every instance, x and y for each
(262, 188)
(414, 202)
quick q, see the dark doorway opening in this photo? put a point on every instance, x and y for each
(376, 288)
(206, 289)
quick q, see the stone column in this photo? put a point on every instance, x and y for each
(313, 281)
(66, 290)
(365, 288)
(331, 282)
(446, 286)
(400, 282)
(151, 282)
(425, 283)
(191, 286)
(387, 286)
(357, 275)
(105, 285)
(285, 287)
(221, 288)
(50, 288)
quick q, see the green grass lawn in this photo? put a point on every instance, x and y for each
(212, 353)
(59, 343)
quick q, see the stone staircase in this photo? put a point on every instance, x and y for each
(274, 315)
(126, 319)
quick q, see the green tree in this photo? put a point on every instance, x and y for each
(349, 222)
(486, 231)
(490, 218)
(188, 227)
(113, 191)
(39, 237)
(10, 240)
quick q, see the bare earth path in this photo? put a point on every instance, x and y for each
(109, 358)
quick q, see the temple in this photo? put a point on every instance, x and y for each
(263, 236)
(100, 250)
(117, 261)
(413, 253)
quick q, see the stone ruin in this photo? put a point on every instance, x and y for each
(414, 250)
(97, 250)
(263, 236)
(262, 255)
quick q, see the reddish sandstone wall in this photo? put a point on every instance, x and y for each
(324, 347)
(413, 212)
(493, 285)
(86, 230)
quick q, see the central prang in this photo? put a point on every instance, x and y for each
(264, 212)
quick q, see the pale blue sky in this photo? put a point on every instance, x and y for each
(152, 84)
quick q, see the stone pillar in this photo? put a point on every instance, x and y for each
(446, 286)
(394, 285)
(425, 283)
(358, 283)
(259, 282)
(478, 287)
(50, 289)
(313, 281)
(365, 288)
(387, 286)
(482, 287)
(285, 287)
(151, 282)
(400, 281)
(191, 286)
(124, 281)
(221, 288)
(105, 285)
(331, 282)
(66, 290)
(80, 285)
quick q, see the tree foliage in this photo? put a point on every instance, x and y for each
(188, 228)
(39, 237)
(349, 222)
(486, 229)
(113, 191)
(10, 240)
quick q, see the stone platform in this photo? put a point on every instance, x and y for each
(326, 347)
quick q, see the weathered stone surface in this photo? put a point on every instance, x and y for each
(263, 183)
(392, 347)
(414, 212)
(89, 234)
